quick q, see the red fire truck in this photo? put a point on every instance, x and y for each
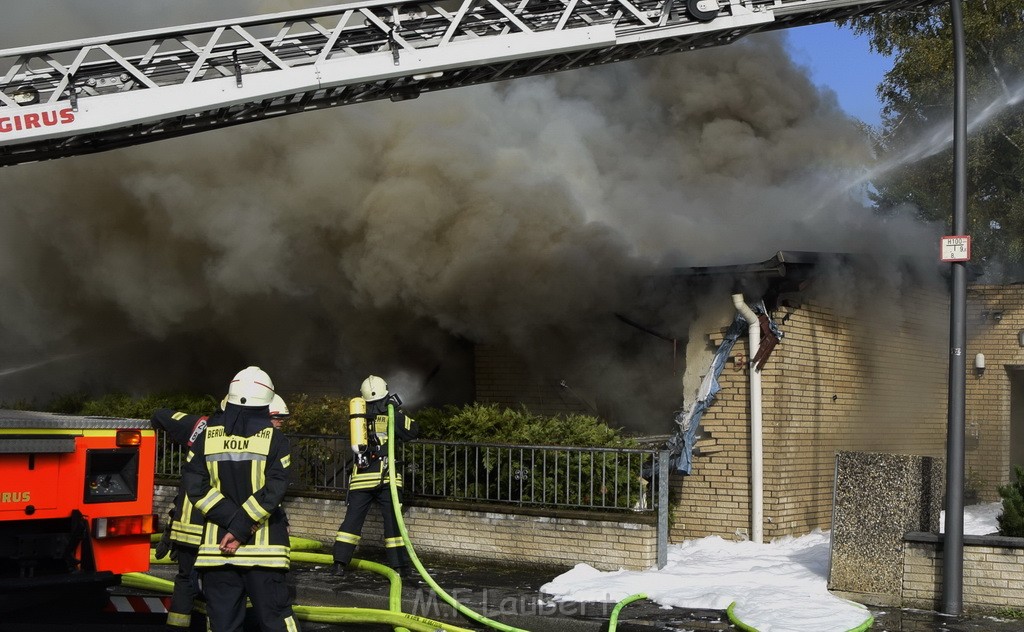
(76, 504)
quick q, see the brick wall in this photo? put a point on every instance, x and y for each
(995, 315)
(503, 378)
(714, 498)
(605, 543)
(163, 500)
(490, 536)
(871, 382)
(835, 382)
(993, 572)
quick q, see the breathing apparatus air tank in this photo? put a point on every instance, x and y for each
(358, 438)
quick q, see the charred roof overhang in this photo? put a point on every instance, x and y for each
(787, 272)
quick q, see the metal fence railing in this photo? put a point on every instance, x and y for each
(523, 475)
(568, 477)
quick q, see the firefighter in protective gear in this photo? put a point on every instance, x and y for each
(278, 411)
(236, 474)
(368, 428)
(185, 528)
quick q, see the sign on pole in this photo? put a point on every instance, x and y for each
(956, 248)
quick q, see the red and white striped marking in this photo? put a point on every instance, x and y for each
(132, 603)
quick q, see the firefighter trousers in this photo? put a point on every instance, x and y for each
(186, 587)
(359, 502)
(226, 587)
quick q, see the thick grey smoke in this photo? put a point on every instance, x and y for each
(385, 237)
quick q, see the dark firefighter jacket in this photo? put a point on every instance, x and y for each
(236, 474)
(376, 471)
(183, 429)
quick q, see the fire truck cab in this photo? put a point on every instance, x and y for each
(76, 503)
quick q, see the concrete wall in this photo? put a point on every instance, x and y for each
(993, 572)
(878, 499)
(606, 542)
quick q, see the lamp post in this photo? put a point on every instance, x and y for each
(953, 543)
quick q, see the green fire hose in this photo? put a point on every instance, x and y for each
(451, 601)
(317, 614)
(613, 621)
(302, 551)
(397, 506)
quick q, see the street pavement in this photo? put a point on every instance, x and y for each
(510, 594)
(503, 592)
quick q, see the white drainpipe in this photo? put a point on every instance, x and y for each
(756, 447)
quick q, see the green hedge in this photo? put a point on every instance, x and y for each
(491, 423)
(556, 478)
(1011, 521)
(559, 478)
(326, 415)
(310, 415)
(123, 405)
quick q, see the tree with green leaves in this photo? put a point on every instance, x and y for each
(916, 170)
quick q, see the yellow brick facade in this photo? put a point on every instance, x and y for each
(995, 404)
(873, 382)
(835, 382)
(605, 543)
(991, 574)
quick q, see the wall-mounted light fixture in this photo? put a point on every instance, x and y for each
(979, 364)
(1020, 338)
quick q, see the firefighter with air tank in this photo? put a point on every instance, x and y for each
(368, 485)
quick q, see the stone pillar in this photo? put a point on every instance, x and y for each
(877, 499)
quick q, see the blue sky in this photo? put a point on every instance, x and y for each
(843, 62)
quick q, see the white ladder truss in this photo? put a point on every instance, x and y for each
(95, 94)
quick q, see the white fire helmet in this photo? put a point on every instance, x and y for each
(278, 409)
(251, 387)
(374, 388)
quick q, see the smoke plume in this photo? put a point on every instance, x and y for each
(389, 237)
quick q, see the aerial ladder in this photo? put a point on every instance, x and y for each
(90, 95)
